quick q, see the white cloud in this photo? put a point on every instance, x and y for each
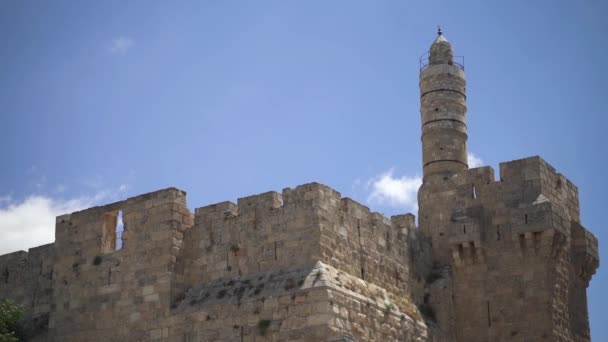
(31, 222)
(389, 190)
(121, 44)
(473, 160)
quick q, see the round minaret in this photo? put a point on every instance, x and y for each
(443, 109)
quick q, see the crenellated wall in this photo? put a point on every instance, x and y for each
(95, 286)
(176, 276)
(492, 260)
(312, 222)
(518, 257)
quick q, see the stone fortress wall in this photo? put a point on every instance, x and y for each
(490, 260)
(521, 259)
(307, 263)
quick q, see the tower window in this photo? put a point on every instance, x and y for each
(111, 234)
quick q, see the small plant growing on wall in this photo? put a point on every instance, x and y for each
(388, 308)
(263, 326)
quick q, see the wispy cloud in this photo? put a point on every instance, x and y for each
(31, 222)
(121, 45)
(394, 191)
(399, 192)
(474, 160)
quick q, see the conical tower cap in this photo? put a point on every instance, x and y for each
(441, 51)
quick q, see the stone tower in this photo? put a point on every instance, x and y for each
(443, 107)
(511, 261)
(444, 130)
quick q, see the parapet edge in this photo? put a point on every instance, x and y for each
(314, 194)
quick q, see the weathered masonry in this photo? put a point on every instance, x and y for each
(491, 259)
(302, 265)
(511, 261)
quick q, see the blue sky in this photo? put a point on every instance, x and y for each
(100, 101)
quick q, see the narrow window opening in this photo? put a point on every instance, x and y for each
(526, 218)
(362, 273)
(275, 250)
(498, 233)
(119, 229)
(388, 241)
(464, 229)
(474, 192)
(111, 234)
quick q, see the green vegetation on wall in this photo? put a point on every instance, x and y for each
(10, 314)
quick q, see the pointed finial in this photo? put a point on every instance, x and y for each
(439, 30)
